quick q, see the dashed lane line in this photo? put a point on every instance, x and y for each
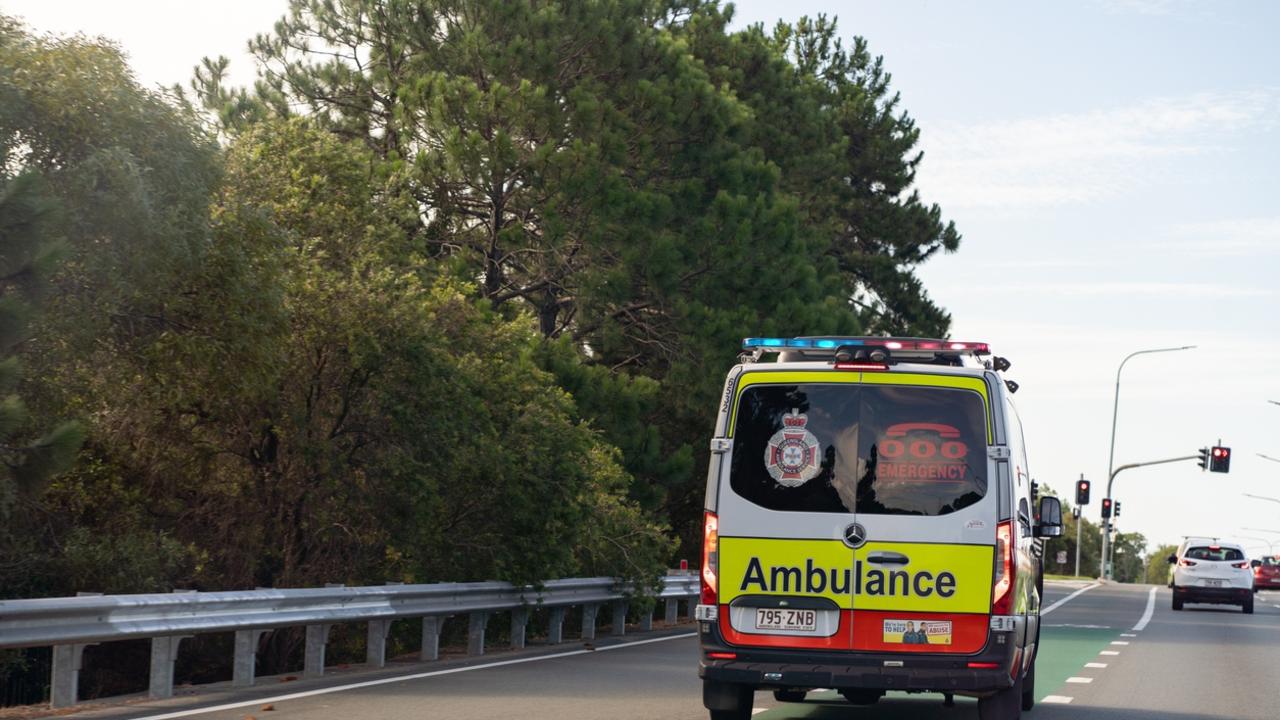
(1119, 642)
(1109, 652)
(1095, 665)
(1057, 700)
(1080, 680)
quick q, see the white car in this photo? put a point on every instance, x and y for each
(1212, 571)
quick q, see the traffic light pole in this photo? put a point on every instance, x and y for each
(1106, 522)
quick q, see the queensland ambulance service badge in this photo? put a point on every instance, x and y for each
(792, 455)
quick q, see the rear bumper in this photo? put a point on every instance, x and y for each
(1272, 583)
(778, 668)
(1223, 596)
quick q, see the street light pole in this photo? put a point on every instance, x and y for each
(1111, 459)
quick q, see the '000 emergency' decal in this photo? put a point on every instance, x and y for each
(937, 577)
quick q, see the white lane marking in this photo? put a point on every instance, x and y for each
(1056, 700)
(1095, 665)
(1067, 599)
(1128, 635)
(1119, 642)
(1079, 680)
(404, 678)
(757, 711)
(1146, 615)
(1108, 652)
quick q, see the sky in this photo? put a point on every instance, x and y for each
(1112, 166)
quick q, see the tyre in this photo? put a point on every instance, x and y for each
(789, 695)
(1004, 705)
(1029, 688)
(1248, 606)
(1177, 603)
(727, 701)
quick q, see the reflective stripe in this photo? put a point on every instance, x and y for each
(835, 377)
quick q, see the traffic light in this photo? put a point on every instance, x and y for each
(1106, 508)
(1117, 510)
(1082, 492)
(1220, 459)
(1203, 462)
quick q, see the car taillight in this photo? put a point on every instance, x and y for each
(1002, 591)
(1240, 565)
(710, 557)
(1186, 563)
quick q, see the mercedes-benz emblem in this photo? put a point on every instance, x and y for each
(855, 535)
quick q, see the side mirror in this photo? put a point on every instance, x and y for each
(1256, 563)
(1172, 559)
(1050, 524)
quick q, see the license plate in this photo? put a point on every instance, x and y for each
(1212, 583)
(784, 619)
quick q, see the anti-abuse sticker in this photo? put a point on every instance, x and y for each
(917, 632)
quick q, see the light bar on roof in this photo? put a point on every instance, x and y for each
(889, 343)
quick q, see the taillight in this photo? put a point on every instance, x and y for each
(710, 557)
(1240, 565)
(1002, 592)
(1186, 563)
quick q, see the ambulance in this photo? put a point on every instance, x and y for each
(870, 526)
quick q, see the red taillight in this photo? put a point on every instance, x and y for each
(1240, 565)
(710, 557)
(1186, 563)
(1002, 592)
(722, 656)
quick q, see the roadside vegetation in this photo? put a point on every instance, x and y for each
(445, 296)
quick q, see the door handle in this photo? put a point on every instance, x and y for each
(888, 559)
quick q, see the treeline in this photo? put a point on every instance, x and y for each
(447, 295)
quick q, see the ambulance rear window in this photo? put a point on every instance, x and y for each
(845, 448)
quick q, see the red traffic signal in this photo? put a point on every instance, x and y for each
(1220, 459)
(1106, 508)
(1082, 492)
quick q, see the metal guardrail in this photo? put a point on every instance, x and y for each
(70, 624)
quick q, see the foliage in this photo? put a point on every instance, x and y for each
(1158, 567)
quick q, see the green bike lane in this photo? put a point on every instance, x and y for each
(1073, 634)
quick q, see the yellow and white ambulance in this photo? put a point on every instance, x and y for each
(870, 527)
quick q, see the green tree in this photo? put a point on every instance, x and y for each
(1158, 567)
(1090, 544)
(1130, 559)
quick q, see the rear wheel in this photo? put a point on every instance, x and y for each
(1177, 602)
(727, 701)
(789, 695)
(1029, 688)
(1004, 705)
(1248, 606)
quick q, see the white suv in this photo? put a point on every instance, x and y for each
(1212, 572)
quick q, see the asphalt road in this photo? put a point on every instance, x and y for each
(1204, 662)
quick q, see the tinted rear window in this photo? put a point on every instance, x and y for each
(855, 448)
(1208, 553)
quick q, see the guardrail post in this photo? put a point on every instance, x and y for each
(619, 626)
(317, 638)
(475, 633)
(164, 651)
(519, 623)
(66, 675)
(555, 626)
(432, 626)
(691, 605)
(375, 648)
(589, 612)
(245, 661)
(646, 620)
(673, 611)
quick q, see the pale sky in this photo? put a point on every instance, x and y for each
(1111, 164)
